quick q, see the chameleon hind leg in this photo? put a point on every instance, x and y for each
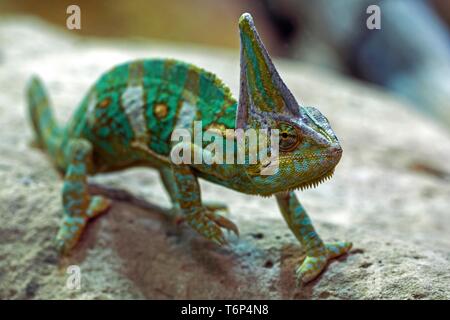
(168, 180)
(318, 253)
(79, 206)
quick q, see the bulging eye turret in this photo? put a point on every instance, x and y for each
(290, 137)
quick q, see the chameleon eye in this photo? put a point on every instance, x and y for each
(289, 137)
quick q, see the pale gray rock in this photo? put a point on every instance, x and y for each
(390, 194)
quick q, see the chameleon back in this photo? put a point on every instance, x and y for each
(140, 103)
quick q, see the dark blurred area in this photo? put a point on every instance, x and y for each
(409, 55)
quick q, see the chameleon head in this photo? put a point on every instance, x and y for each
(308, 148)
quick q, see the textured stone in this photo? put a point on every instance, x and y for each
(390, 194)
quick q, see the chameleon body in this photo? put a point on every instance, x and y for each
(127, 118)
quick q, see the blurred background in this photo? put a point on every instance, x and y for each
(409, 55)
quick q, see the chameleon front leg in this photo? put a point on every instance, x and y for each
(206, 222)
(168, 179)
(202, 218)
(79, 206)
(318, 253)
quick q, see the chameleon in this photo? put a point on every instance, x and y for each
(127, 118)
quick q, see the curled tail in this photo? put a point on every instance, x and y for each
(48, 134)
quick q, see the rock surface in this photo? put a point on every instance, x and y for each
(390, 194)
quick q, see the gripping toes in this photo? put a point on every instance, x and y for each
(209, 225)
(336, 249)
(69, 233)
(73, 225)
(223, 222)
(312, 266)
(98, 205)
(212, 212)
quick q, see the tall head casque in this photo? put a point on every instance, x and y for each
(308, 148)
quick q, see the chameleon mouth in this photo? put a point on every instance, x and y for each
(307, 180)
(314, 182)
(334, 154)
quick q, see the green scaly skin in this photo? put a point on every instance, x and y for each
(127, 118)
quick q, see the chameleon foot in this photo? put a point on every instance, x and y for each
(214, 209)
(209, 225)
(98, 206)
(223, 222)
(72, 227)
(312, 266)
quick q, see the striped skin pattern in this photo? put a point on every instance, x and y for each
(127, 119)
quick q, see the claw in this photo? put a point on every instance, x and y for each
(209, 225)
(223, 222)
